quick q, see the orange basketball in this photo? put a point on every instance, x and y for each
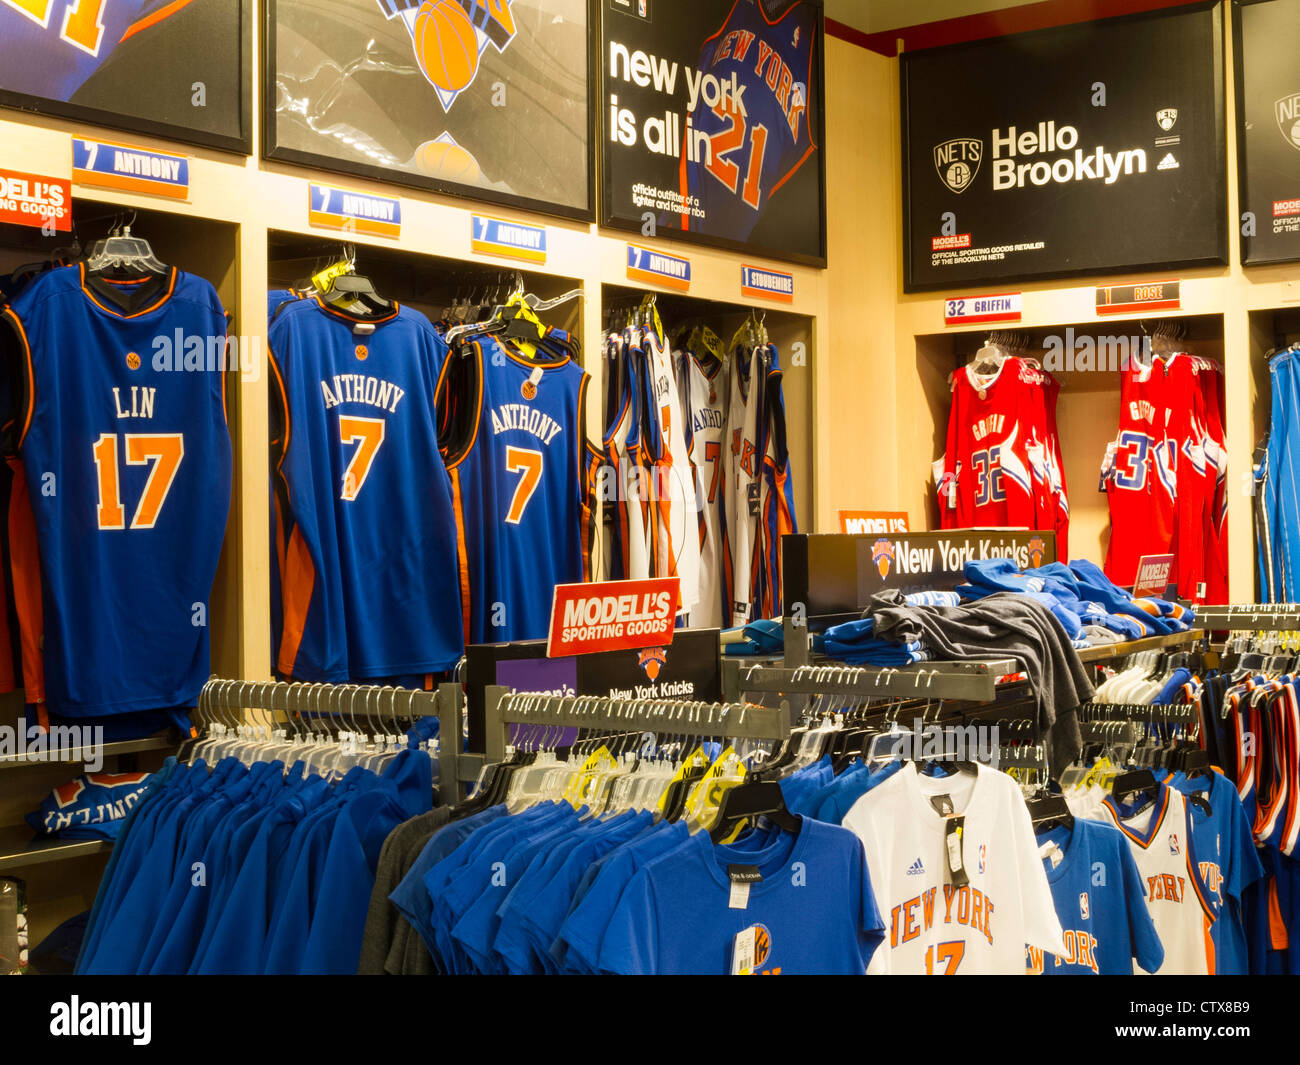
(446, 45)
(450, 162)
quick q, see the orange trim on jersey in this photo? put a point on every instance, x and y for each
(1157, 816)
(31, 374)
(462, 552)
(533, 364)
(1193, 874)
(25, 567)
(355, 318)
(791, 172)
(297, 582)
(158, 16)
(279, 534)
(274, 362)
(1211, 959)
(1277, 933)
(90, 295)
(451, 461)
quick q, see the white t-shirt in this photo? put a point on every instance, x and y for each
(932, 926)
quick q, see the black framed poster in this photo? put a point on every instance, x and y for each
(711, 120)
(1268, 129)
(487, 99)
(179, 69)
(1083, 149)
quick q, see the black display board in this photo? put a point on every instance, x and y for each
(1268, 129)
(1083, 149)
(711, 120)
(834, 575)
(487, 99)
(180, 69)
(689, 668)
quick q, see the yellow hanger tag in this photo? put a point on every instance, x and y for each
(323, 281)
(600, 761)
(710, 341)
(702, 803)
(697, 760)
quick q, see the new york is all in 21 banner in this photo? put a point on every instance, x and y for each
(1091, 148)
(711, 117)
(1268, 130)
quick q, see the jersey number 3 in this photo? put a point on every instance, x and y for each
(164, 450)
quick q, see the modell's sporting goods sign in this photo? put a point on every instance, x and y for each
(1096, 147)
(612, 615)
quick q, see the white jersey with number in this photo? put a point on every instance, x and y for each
(678, 531)
(744, 475)
(1181, 906)
(621, 447)
(704, 403)
(937, 928)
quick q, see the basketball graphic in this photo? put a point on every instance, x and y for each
(446, 159)
(446, 45)
(762, 944)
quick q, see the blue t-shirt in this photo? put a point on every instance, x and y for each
(1099, 898)
(813, 911)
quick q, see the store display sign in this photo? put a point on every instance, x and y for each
(178, 69)
(355, 212)
(109, 165)
(510, 240)
(972, 310)
(1150, 296)
(757, 283)
(1089, 148)
(35, 200)
(883, 522)
(1268, 130)
(711, 123)
(1153, 574)
(487, 99)
(658, 268)
(612, 615)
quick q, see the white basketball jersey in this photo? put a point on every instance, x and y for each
(937, 928)
(621, 447)
(744, 475)
(1181, 906)
(704, 402)
(679, 538)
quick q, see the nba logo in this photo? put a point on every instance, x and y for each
(981, 857)
(1173, 842)
(640, 7)
(1083, 905)
(1036, 550)
(882, 554)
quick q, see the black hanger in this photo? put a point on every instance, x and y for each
(1138, 781)
(757, 798)
(1048, 811)
(347, 290)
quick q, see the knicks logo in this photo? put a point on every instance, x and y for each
(450, 37)
(882, 554)
(132, 360)
(1036, 551)
(652, 660)
(362, 352)
(762, 944)
(528, 390)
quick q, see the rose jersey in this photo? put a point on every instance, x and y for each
(370, 586)
(939, 923)
(523, 479)
(740, 149)
(126, 454)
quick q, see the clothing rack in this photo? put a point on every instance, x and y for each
(966, 681)
(1269, 617)
(1175, 712)
(297, 704)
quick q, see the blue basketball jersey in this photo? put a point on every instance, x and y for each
(93, 806)
(124, 444)
(369, 580)
(523, 482)
(50, 47)
(1099, 898)
(760, 137)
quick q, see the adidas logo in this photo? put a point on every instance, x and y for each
(917, 869)
(1168, 163)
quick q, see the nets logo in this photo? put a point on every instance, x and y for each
(958, 161)
(1287, 112)
(450, 36)
(882, 553)
(652, 660)
(1166, 117)
(1037, 549)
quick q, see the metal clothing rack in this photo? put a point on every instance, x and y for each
(1174, 712)
(1268, 617)
(299, 704)
(973, 681)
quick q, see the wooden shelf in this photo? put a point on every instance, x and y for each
(76, 755)
(19, 848)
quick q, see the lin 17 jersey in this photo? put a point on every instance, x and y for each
(742, 148)
(126, 453)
